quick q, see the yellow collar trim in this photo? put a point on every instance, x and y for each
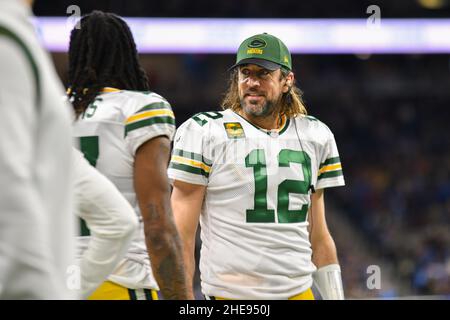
(283, 123)
(109, 89)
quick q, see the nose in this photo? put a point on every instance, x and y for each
(253, 81)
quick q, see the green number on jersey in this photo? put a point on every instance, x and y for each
(285, 158)
(89, 147)
(261, 213)
(257, 160)
(202, 117)
(90, 110)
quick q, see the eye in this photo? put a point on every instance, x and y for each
(263, 73)
(245, 72)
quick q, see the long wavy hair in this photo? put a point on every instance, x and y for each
(291, 103)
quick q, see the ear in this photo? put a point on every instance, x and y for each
(289, 82)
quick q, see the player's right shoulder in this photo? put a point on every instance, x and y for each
(204, 121)
(191, 157)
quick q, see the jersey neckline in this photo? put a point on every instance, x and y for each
(278, 132)
(109, 89)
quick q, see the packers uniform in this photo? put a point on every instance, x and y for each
(110, 131)
(255, 242)
(109, 216)
(37, 226)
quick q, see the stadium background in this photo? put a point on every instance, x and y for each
(390, 117)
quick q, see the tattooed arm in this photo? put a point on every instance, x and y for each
(187, 200)
(161, 236)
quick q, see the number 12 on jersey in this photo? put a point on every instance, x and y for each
(256, 159)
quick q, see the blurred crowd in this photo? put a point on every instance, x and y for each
(390, 117)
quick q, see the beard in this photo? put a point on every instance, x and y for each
(256, 110)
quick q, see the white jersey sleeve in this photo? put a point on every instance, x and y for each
(110, 218)
(191, 157)
(330, 172)
(21, 225)
(146, 119)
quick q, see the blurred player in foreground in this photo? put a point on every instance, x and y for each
(125, 132)
(254, 175)
(37, 226)
(45, 180)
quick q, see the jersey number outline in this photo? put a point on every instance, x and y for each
(202, 117)
(90, 110)
(260, 213)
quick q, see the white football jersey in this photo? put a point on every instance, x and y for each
(111, 220)
(255, 242)
(110, 131)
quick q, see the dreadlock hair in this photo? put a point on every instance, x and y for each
(291, 103)
(102, 53)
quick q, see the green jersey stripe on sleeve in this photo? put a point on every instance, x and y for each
(331, 174)
(330, 161)
(149, 122)
(188, 168)
(153, 106)
(192, 155)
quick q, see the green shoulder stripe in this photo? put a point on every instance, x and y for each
(189, 169)
(192, 155)
(312, 118)
(331, 174)
(153, 106)
(330, 161)
(148, 122)
(5, 32)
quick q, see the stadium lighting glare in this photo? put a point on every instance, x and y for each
(316, 36)
(432, 4)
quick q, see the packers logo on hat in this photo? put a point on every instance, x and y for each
(257, 43)
(234, 130)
